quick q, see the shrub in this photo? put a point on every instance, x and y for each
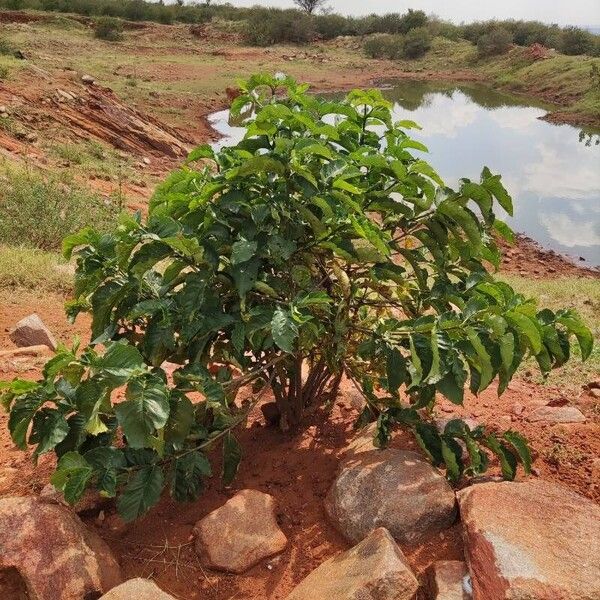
(497, 41)
(332, 26)
(6, 48)
(108, 28)
(413, 19)
(4, 72)
(305, 253)
(576, 41)
(32, 269)
(416, 43)
(383, 45)
(38, 211)
(272, 26)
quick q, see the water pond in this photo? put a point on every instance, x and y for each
(552, 171)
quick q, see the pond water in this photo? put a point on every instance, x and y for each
(552, 171)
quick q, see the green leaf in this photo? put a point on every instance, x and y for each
(430, 442)
(452, 455)
(508, 462)
(527, 327)
(232, 455)
(21, 415)
(203, 151)
(284, 330)
(119, 363)
(181, 419)
(519, 443)
(242, 251)
(145, 410)
(71, 476)
(483, 362)
(84, 237)
(106, 463)
(49, 429)
(493, 184)
(584, 336)
(189, 472)
(395, 369)
(141, 493)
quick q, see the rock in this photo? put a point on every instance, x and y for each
(240, 533)
(374, 569)
(449, 580)
(31, 137)
(31, 331)
(271, 413)
(395, 489)
(54, 553)
(557, 414)
(533, 540)
(26, 351)
(88, 79)
(146, 160)
(137, 589)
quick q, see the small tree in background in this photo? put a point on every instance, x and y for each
(310, 6)
(109, 29)
(317, 248)
(495, 42)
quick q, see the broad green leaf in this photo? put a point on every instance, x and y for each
(232, 455)
(49, 429)
(189, 471)
(72, 475)
(452, 454)
(242, 251)
(145, 410)
(527, 327)
(583, 334)
(508, 462)
(519, 443)
(141, 493)
(284, 330)
(106, 463)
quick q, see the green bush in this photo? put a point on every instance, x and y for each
(6, 48)
(306, 253)
(384, 45)
(497, 41)
(576, 41)
(416, 43)
(272, 26)
(37, 211)
(108, 28)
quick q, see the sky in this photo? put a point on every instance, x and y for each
(563, 12)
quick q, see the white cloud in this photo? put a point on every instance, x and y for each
(570, 233)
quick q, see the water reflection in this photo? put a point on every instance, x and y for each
(552, 171)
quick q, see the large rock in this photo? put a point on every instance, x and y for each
(137, 589)
(240, 533)
(449, 580)
(395, 489)
(557, 414)
(375, 569)
(31, 331)
(531, 541)
(57, 557)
